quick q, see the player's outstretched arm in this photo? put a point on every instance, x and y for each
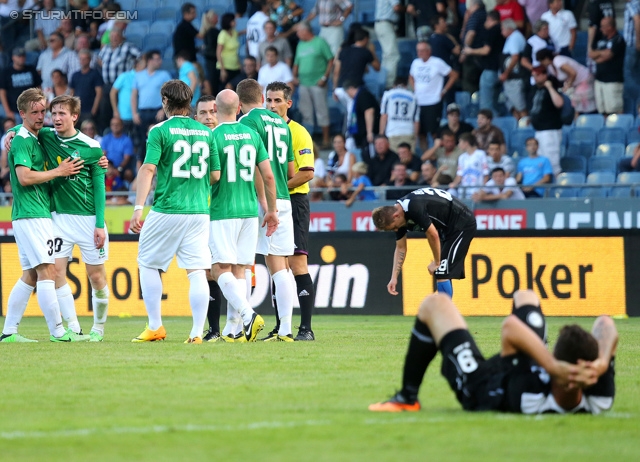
(434, 242)
(67, 167)
(145, 176)
(399, 256)
(605, 332)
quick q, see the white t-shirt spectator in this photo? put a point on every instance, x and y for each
(560, 26)
(582, 72)
(256, 33)
(428, 77)
(506, 163)
(278, 73)
(510, 184)
(401, 107)
(472, 168)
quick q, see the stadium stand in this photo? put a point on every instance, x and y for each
(566, 179)
(574, 164)
(597, 179)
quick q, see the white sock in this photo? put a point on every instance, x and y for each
(199, 300)
(294, 287)
(234, 322)
(68, 308)
(100, 302)
(16, 305)
(151, 285)
(248, 276)
(234, 291)
(46, 292)
(284, 299)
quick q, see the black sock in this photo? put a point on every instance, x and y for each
(422, 350)
(275, 303)
(306, 297)
(215, 302)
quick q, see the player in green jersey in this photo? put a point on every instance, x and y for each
(31, 220)
(233, 235)
(183, 153)
(276, 137)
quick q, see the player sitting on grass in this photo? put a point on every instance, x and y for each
(524, 377)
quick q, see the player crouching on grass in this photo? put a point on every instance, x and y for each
(524, 377)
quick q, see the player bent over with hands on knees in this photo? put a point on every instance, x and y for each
(524, 377)
(437, 213)
(234, 213)
(183, 153)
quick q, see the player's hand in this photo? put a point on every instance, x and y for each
(7, 140)
(103, 162)
(271, 222)
(432, 267)
(135, 224)
(69, 167)
(99, 237)
(391, 287)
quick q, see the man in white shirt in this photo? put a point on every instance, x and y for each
(511, 76)
(426, 77)
(274, 70)
(498, 187)
(472, 167)
(562, 27)
(399, 115)
(255, 30)
(496, 159)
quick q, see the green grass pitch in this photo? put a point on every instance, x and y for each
(305, 401)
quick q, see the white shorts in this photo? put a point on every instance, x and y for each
(164, 235)
(36, 241)
(79, 230)
(233, 241)
(281, 242)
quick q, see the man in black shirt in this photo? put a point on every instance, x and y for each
(249, 71)
(545, 117)
(14, 81)
(608, 53)
(450, 227)
(524, 377)
(423, 12)
(443, 45)
(454, 124)
(184, 38)
(381, 163)
(598, 9)
(364, 116)
(353, 60)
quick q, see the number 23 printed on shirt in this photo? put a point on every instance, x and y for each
(197, 171)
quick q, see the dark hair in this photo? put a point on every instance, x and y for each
(227, 19)
(495, 15)
(249, 91)
(435, 19)
(575, 343)
(280, 86)
(187, 7)
(184, 54)
(271, 48)
(350, 40)
(251, 58)
(360, 34)
(447, 132)
(488, 113)
(404, 145)
(545, 53)
(342, 176)
(348, 83)
(62, 74)
(531, 138)
(430, 162)
(205, 99)
(341, 135)
(401, 80)
(179, 96)
(272, 22)
(151, 53)
(8, 119)
(493, 141)
(469, 138)
(399, 164)
(497, 169)
(381, 136)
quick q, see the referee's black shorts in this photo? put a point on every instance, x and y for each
(301, 216)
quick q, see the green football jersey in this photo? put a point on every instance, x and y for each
(276, 137)
(81, 194)
(185, 154)
(241, 149)
(28, 201)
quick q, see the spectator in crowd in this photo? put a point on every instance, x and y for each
(487, 133)
(472, 167)
(499, 187)
(471, 37)
(56, 56)
(386, 18)
(443, 44)
(576, 78)
(409, 160)
(255, 30)
(146, 102)
(400, 182)
(454, 124)
(103, 35)
(562, 27)
(533, 170)
(598, 9)
(117, 146)
(14, 80)
(381, 164)
(43, 27)
(279, 43)
(534, 9)
(495, 159)
(546, 117)
(511, 76)
(630, 163)
(184, 37)
(332, 15)
(340, 188)
(10, 27)
(209, 32)
(363, 117)
(227, 52)
(116, 58)
(340, 159)
(286, 14)
(540, 40)
(400, 115)
(274, 70)
(60, 86)
(120, 95)
(87, 85)
(422, 12)
(631, 33)
(360, 181)
(511, 9)
(426, 77)
(188, 73)
(490, 58)
(445, 152)
(428, 172)
(88, 127)
(83, 42)
(311, 71)
(7, 124)
(68, 33)
(249, 71)
(608, 53)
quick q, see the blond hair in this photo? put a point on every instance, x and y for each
(360, 167)
(29, 97)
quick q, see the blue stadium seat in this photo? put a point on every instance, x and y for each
(630, 148)
(506, 124)
(336, 118)
(127, 5)
(241, 23)
(473, 121)
(408, 46)
(153, 4)
(137, 28)
(624, 121)
(633, 135)
(518, 140)
(573, 164)
(135, 39)
(593, 121)
(167, 55)
(32, 58)
(166, 13)
(578, 150)
(583, 136)
(611, 135)
(615, 150)
(597, 179)
(568, 178)
(163, 27)
(463, 99)
(630, 178)
(146, 14)
(603, 164)
(375, 81)
(580, 47)
(156, 42)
